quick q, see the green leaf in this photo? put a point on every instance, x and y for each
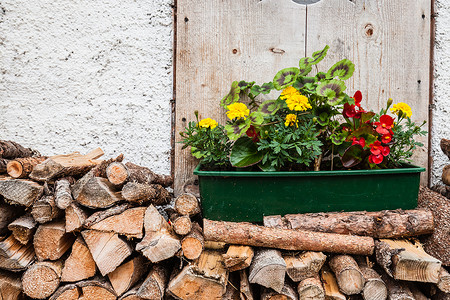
(305, 71)
(256, 118)
(269, 107)
(244, 153)
(367, 116)
(364, 130)
(255, 91)
(266, 87)
(332, 90)
(232, 96)
(302, 81)
(319, 55)
(266, 167)
(321, 76)
(235, 131)
(352, 156)
(285, 78)
(370, 139)
(338, 139)
(343, 69)
(245, 85)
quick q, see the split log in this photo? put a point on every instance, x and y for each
(80, 264)
(63, 194)
(23, 228)
(287, 293)
(397, 290)
(66, 292)
(215, 245)
(145, 193)
(51, 240)
(14, 256)
(42, 279)
(259, 236)
(193, 243)
(330, 285)
(311, 289)
(131, 294)
(97, 288)
(182, 225)
(305, 265)
(444, 190)
(374, 287)
(8, 214)
(444, 280)
(10, 286)
(349, 277)
(45, 210)
(381, 224)
(238, 257)
(75, 217)
(154, 284)
(187, 204)
(127, 274)
(98, 192)
(73, 164)
(437, 243)
(12, 150)
(445, 147)
(4, 165)
(100, 169)
(245, 287)
(120, 219)
(446, 175)
(118, 174)
(205, 279)
(160, 242)
(268, 269)
(22, 167)
(405, 261)
(107, 249)
(20, 191)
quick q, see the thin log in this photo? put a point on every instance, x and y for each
(287, 293)
(444, 280)
(187, 204)
(4, 165)
(63, 194)
(381, 224)
(155, 283)
(268, 269)
(311, 289)
(238, 257)
(10, 286)
(145, 193)
(107, 249)
(446, 175)
(128, 274)
(193, 243)
(23, 228)
(119, 174)
(14, 256)
(12, 150)
(445, 147)
(259, 236)
(22, 167)
(75, 217)
(45, 210)
(245, 287)
(215, 245)
(182, 225)
(97, 288)
(100, 169)
(374, 286)
(406, 261)
(349, 277)
(80, 264)
(42, 279)
(304, 265)
(98, 192)
(397, 290)
(20, 191)
(51, 240)
(330, 285)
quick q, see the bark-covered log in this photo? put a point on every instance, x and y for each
(232, 290)
(182, 225)
(268, 269)
(444, 280)
(131, 294)
(155, 283)
(381, 224)
(45, 210)
(374, 286)
(8, 214)
(127, 274)
(437, 243)
(238, 257)
(98, 192)
(444, 190)
(20, 191)
(23, 228)
(330, 285)
(287, 239)
(145, 193)
(311, 289)
(63, 194)
(119, 174)
(10, 286)
(193, 243)
(445, 146)
(75, 217)
(397, 289)
(12, 150)
(245, 287)
(80, 264)
(22, 167)
(446, 175)
(14, 256)
(107, 249)
(42, 279)
(287, 293)
(4, 165)
(187, 204)
(405, 261)
(51, 240)
(305, 265)
(349, 277)
(119, 219)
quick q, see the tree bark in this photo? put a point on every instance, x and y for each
(66, 292)
(14, 256)
(330, 285)
(193, 243)
(42, 279)
(12, 150)
(268, 269)
(75, 217)
(45, 210)
(397, 290)
(305, 265)
(80, 264)
(245, 288)
(258, 236)
(8, 214)
(63, 194)
(10, 286)
(182, 225)
(4, 165)
(20, 191)
(128, 274)
(446, 175)
(238, 257)
(381, 224)
(98, 192)
(445, 147)
(145, 193)
(22, 167)
(349, 277)
(187, 204)
(23, 229)
(311, 289)
(444, 280)
(119, 174)
(51, 240)
(154, 284)
(444, 190)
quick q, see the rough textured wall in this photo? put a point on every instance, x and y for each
(441, 110)
(81, 74)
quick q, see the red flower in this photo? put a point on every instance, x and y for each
(375, 148)
(361, 141)
(385, 151)
(385, 124)
(358, 97)
(375, 159)
(386, 138)
(252, 133)
(349, 111)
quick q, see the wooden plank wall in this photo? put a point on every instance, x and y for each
(219, 41)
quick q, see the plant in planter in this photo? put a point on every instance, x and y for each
(313, 125)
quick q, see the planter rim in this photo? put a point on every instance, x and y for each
(409, 168)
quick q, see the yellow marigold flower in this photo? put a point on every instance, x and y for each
(291, 119)
(207, 123)
(295, 100)
(403, 108)
(237, 110)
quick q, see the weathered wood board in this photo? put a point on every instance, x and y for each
(222, 41)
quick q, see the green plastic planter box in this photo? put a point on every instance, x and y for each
(248, 196)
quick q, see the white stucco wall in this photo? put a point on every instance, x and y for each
(81, 74)
(441, 100)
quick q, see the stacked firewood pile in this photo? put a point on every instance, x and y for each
(77, 227)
